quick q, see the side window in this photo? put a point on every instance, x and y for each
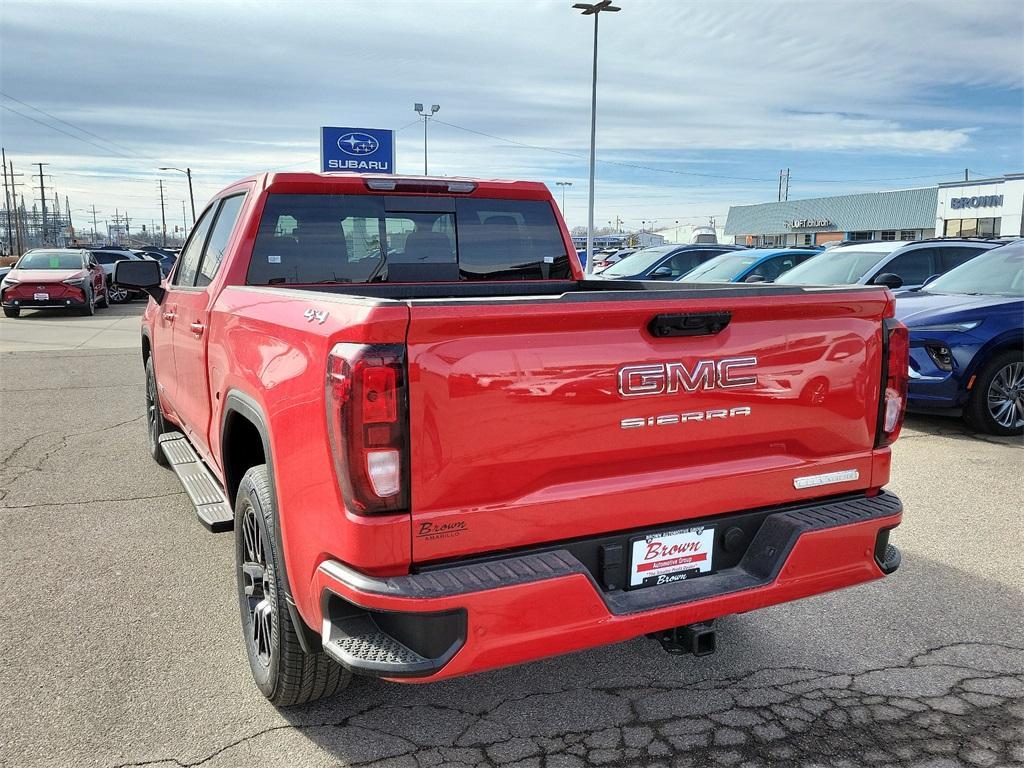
(188, 262)
(914, 267)
(213, 255)
(954, 257)
(775, 266)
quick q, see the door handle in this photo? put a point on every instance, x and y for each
(197, 328)
(689, 324)
(169, 316)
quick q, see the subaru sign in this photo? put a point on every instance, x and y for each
(363, 150)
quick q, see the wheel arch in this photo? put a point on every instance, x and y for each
(1008, 341)
(244, 429)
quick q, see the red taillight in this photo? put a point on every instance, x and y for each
(367, 424)
(893, 405)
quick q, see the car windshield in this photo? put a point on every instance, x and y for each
(639, 261)
(999, 272)
(720, 269)
(833, 267)
(51, 260)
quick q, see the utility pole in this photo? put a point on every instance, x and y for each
(163, 215)
(967, 174)
(434, 108)
(563, 185)
(71, 224)
(784, 184)
(184, 221)
(42, 199)
(95, 226)
(593, 9)
(7, 203)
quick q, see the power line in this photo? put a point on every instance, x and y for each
(66, 133)
(72, 125)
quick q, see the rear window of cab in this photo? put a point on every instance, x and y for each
(306, 239)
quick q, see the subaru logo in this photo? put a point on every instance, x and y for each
(357, 143)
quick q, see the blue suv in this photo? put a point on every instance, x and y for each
(967, 341)
(757, 265)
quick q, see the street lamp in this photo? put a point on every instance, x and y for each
(191, 197)
(595, 10)
(563, 185)
(434, 108)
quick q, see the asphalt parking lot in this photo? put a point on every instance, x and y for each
(121, 641)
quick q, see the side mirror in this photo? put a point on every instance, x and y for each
(755, 278)
(665, 271)
(141, 275)
(889, 280)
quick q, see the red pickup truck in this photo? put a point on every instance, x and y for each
(443, 450)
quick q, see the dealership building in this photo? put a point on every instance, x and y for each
(981, 208)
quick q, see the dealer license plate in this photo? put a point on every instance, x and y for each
(41, 296)
(669, 556)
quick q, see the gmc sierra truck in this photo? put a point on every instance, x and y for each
(443, 450)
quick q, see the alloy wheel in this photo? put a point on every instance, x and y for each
(118, 295)
(152, 412)
(259, 593)
(1006, 396)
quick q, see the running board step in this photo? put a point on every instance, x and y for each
(206, 495)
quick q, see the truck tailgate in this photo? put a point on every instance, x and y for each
(540, 420)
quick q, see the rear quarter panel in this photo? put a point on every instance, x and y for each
(263, 346)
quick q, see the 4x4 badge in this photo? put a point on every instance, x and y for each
(315, 314)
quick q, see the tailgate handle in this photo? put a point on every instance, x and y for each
(689, 324)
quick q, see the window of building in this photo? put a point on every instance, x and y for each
(862, 236)
(808, 239)
(908, 234)
(889, 234)
(989, 227)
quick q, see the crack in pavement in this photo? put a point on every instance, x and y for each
(961, 703)
(90, 501)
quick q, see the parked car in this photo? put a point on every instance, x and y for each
(892, 263)
(756, 265)
(425, 443)
(967, 341)
(165, 258)
(54, 277)
(607, 258)
(107, 258)
(664, 262)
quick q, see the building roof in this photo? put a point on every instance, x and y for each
(898, 209)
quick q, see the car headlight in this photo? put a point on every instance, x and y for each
(967, 325)
(9, 281)
(74, 281)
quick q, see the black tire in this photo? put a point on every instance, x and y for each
(155, 424)
(12, 312)
(104, 303)
(283, 672)
(90, 304)
(1000, 383)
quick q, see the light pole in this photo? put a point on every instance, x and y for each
(593, 9)
(563, 185)
(191, 197)
(434, 109)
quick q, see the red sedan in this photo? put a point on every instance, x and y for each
(51, 278)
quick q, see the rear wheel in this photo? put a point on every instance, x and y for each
(12, 312)
(155, 424)
(284, 673)
(104, 303)
(997, 400)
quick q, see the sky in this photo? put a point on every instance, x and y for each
(700, 104)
